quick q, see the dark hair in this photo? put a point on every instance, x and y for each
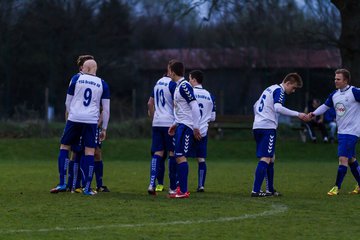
(345, 73)
(178, 68)
(294, 78)
(82, 58)
(198, 75)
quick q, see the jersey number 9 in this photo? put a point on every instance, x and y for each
(87, 97)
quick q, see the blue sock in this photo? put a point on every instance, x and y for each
(340, 175)
(62, 165)
(355, 170)
(153, 168)
(77, 171)
(99, 171)
(259, 175)
(76, 178)
(183, 172)
(201, 174)
(172, 172)
(70, 174)
(270, 177)
(161, 171)
(83, 169)
(89, 163)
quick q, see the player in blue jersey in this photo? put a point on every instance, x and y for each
(161, 110)
(207, 114)
(267, 110)
(185, 128)
(84, 95)
(346, 101)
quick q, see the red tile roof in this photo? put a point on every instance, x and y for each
(239, 58)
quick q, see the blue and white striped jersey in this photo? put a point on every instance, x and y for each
(265, 115)
(87, 91)
(163, 95)
(347, 106)
(207, 108)
(184, 94)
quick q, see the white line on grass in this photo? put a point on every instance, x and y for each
(275, 209)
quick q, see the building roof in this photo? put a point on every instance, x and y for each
(239, 58)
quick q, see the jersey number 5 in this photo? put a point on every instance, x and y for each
(87, 97)
(261, 107)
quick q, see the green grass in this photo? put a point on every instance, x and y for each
(303, 173)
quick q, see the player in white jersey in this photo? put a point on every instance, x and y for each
(185, 127)
(83, 99)
(267, 110)
(161, 110)
(207, 114)
(346, 101)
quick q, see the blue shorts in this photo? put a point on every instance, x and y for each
(347, 144)
(265, 142)
(79, 147)
(74, 130)
(184, 137)
(161, 140)
(199, 148)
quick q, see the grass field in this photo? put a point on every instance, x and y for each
(303, 173)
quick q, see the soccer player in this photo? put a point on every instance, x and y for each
(267, 110)
(185, 127)
(346, 101)
(84, 95)
(161, 110)
(207, 114)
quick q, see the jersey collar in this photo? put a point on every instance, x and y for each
(179, 81)
(199, 86)
(345, 88)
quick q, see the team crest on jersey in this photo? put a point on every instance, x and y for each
(340, 109)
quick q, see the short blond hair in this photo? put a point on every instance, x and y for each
(294, 78)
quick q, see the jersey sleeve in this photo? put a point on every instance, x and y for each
(356, 92)
(214, 103)
(279, 96)
(71, 88)
(329, 102)
(106, 90)
(187, 92)
(172, 87)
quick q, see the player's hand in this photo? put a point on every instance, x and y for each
(171, 130)
(102, 135)
(197, 134)
(304, 117)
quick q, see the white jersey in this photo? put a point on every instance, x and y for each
(87, 91)
(265, 115)
(184, 94)
(347, 106)
(207, 107)
(163, 95)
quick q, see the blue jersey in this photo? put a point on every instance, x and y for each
(87, 91)
(347, 107)
(265, 115)
(184, 94)
(163, 95)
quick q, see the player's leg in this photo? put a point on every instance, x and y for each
(89, 134)
(354, 167)
(161, 173)
(157, 148)
(70, 132)
(265, 149)
(355, 170)
(345, 142)
(201, 154)
(310, 129)
(99, 165)
(183, 141)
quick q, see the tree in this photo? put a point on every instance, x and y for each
(349, 41)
